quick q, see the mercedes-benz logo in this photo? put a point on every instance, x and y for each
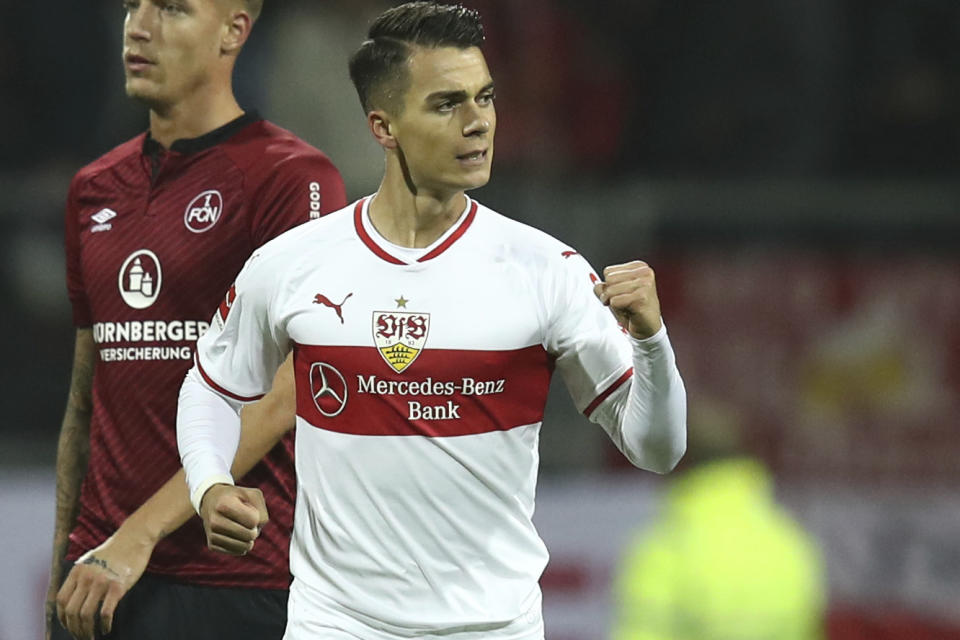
(329, 389)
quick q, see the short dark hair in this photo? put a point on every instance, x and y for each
(379, 67)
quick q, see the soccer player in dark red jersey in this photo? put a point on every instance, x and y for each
(156, 230)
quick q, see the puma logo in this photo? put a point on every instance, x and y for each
(325, 301)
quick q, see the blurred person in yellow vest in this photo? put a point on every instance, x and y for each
(723, 561)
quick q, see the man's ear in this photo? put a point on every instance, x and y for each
(236, 31)
(381, 128)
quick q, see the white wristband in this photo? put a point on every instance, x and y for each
(201, 489)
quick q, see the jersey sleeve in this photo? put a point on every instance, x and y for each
(593, 355)
(244, 346)
(299, 188)
(82, 317)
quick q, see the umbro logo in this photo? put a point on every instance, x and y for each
(102, 219)
(103, 215)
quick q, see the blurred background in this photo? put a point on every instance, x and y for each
(790, 169)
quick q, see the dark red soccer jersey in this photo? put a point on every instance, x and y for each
(153, 240)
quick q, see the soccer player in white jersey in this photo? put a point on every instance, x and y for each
(425, 328)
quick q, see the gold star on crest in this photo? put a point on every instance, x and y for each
(401, 302)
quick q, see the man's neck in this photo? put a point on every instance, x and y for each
(192, 118)
(413, 219)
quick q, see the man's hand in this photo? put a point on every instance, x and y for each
(232, 518)
(99, 579)
(630, 290)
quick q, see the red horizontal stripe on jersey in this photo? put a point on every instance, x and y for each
(442, 393)
(606, 394)
(216, 387)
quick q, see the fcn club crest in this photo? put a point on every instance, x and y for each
(203, 211)
(400, 336)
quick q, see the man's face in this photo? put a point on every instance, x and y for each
(446, 128)
(170, 47)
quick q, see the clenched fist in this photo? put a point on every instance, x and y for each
(232, 518)
(630, 290)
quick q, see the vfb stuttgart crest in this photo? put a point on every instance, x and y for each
(400, 336)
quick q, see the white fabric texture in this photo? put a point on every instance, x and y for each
(208, 434)
(421, 382)
(655, 396)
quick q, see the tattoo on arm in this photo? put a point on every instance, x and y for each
(73, 449)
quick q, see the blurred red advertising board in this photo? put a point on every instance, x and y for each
(839, 366)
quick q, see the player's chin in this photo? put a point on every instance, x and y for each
(154, 95)
(140, 89)
(475, 179)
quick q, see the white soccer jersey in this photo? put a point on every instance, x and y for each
(421, 381)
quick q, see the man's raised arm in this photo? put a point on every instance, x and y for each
(647, 422)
